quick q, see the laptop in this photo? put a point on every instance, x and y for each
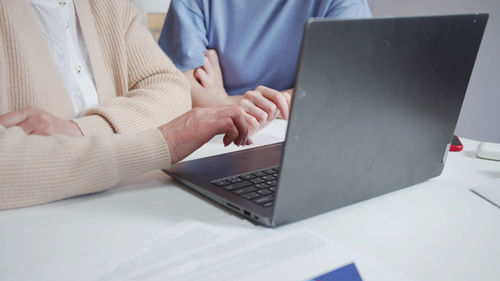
(375, 106)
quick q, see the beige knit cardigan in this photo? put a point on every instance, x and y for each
(139, 89)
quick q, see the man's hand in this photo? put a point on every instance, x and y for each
(210, 75)
(263, 105)
(191, 130)
(35, 121)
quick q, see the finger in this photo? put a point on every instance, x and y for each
(242, 126)
(31, 126)
(252, 123)
(213, 58)
(13, 118)
(278, 99)
(224, 111)
(207, 66)
(236, 114)
(226, 140)
(201, 76)
(288, 98)
(226, 126)
(263, 102)
(260, 115)
(222, 122)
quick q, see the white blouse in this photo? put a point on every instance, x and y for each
(62, 32)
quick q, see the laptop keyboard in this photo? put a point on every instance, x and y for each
(257, 186)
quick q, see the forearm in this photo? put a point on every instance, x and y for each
(201, 97)
(37, 169)
(150, 103)
(349, 9)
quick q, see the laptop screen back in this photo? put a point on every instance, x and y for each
(375, 105)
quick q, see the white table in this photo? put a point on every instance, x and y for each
(436, 230)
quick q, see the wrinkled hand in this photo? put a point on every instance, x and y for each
(35, 121)
(263, 105)
(191, 130)
(210, 75)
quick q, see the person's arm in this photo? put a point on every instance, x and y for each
(202, 96)
(184, 39)
(35, 121)
(349, 9)
(158, 92)
(261, 105)
(207, 83)
(39, 169)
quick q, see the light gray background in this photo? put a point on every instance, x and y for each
(480, 116)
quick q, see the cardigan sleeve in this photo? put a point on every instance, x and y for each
(157, 91)
(40, 169)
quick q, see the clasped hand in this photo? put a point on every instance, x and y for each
(35, 121)
(260, 106)
(183, 135)
(191, 130)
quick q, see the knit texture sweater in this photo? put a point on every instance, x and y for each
(138, 87)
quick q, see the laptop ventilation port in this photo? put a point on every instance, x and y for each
(246, 213)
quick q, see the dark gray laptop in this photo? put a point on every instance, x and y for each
(375, 105)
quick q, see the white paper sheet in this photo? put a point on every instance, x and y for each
(197, 251)
(272, 133)
(489, 191)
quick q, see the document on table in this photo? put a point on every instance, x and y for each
(272, 133)
(196, 251)
(489, 191)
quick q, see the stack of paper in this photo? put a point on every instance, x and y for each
(489, 191)
(195, 251)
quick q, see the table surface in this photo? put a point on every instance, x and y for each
(436, 230)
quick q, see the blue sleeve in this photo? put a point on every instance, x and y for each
(183, 37)
(349, 9)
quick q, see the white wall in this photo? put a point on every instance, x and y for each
(480, 116)
(152, 6)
